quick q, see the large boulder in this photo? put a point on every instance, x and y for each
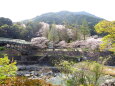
(106, 80)
(40, 42)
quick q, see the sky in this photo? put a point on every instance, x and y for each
(18, 10)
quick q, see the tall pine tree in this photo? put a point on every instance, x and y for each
(53, 34)
(84, 28)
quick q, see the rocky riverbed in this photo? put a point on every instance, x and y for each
(52, 75)
(36, 71)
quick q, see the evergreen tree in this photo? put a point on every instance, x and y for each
(53, 34)
(84, 28)
(63, 35)
(76, 34)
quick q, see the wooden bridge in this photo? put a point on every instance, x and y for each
(17, 44)
(13, 41)
(26, 48)
(30, 54)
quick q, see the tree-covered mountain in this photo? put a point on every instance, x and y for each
(67, 17)
(70, 20)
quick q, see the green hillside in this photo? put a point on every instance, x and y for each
(67, 17)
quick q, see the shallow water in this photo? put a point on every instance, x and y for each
(60, 79)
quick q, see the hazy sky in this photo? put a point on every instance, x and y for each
(18, 10)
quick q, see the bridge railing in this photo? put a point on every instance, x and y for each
(14, 41)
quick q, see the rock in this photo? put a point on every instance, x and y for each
(32, 73)
(49, 73)
(110, 82)
(27, 75)
(106, 80)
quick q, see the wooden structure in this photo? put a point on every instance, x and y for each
(20, 45)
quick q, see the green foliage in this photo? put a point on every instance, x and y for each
(4, 21)
(23, 81)
(31, 29)
(53, 34)
(69, 18)
(4, 30)
(76, 34)
(67, 66)
(7, 69)
(82, 74)
(84, 28)
(65, 17)
(18, 30)
(11, 30)
(2, 48)
(107, 27)
(63, 35)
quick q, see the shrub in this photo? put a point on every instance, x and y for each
(2, 48)
(7, 69)
(24, 81)
(82, 74)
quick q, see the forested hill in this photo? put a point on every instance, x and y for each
(67, 17)
(28, 30)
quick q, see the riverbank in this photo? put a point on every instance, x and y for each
(52, 75)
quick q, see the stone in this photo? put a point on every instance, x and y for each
(27, 75)
(110, 82)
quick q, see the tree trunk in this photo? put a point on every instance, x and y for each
(84, 36)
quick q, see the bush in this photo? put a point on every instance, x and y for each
(82, 74)
(2, 48)
(24, 81)
(7, 69)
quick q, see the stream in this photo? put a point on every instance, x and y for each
(49, 74)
